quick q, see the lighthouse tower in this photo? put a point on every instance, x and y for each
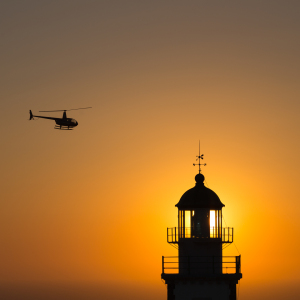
(200, 271)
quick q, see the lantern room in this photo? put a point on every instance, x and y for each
(200, 216)
(200, 212)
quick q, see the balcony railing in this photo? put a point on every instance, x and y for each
(201, 265)
(225, 234)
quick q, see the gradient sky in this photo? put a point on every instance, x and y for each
(91, 206)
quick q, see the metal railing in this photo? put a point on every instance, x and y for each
(174, 234)
(201, 264)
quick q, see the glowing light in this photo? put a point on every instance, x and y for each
(188, 223)
(212, 218)
(187, 219)
(213, 225)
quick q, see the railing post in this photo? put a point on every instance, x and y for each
(237, 264)
(167, 234)
(175, 235)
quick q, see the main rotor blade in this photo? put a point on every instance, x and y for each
(64, 109)
(79, 108)
(52, 110)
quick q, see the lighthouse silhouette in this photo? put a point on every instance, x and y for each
(200, 271)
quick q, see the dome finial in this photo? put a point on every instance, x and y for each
(200, 156)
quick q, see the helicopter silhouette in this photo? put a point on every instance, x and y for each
(63, 123)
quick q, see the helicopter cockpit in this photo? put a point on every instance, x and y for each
(74, 121)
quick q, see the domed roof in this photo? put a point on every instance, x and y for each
(200, 197)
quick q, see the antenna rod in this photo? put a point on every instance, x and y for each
(199, 158)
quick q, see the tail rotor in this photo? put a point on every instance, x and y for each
(31, 115)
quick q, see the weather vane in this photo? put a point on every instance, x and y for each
(199, 157)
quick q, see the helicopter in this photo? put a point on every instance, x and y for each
(63, 123)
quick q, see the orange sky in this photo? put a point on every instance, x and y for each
(92, 205)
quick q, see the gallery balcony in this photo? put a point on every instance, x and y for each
(224, 235)
(201, 266)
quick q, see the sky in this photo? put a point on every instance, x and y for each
(85, 212)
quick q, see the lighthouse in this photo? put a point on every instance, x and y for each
(200, 271)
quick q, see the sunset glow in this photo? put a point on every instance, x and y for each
(90, 207)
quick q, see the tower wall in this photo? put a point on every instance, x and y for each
(202, 291)
(192, 247)
(200, 257)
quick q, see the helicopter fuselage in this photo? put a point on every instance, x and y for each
(61, 123)
(66, 122)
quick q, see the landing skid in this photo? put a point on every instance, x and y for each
(63, 127)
